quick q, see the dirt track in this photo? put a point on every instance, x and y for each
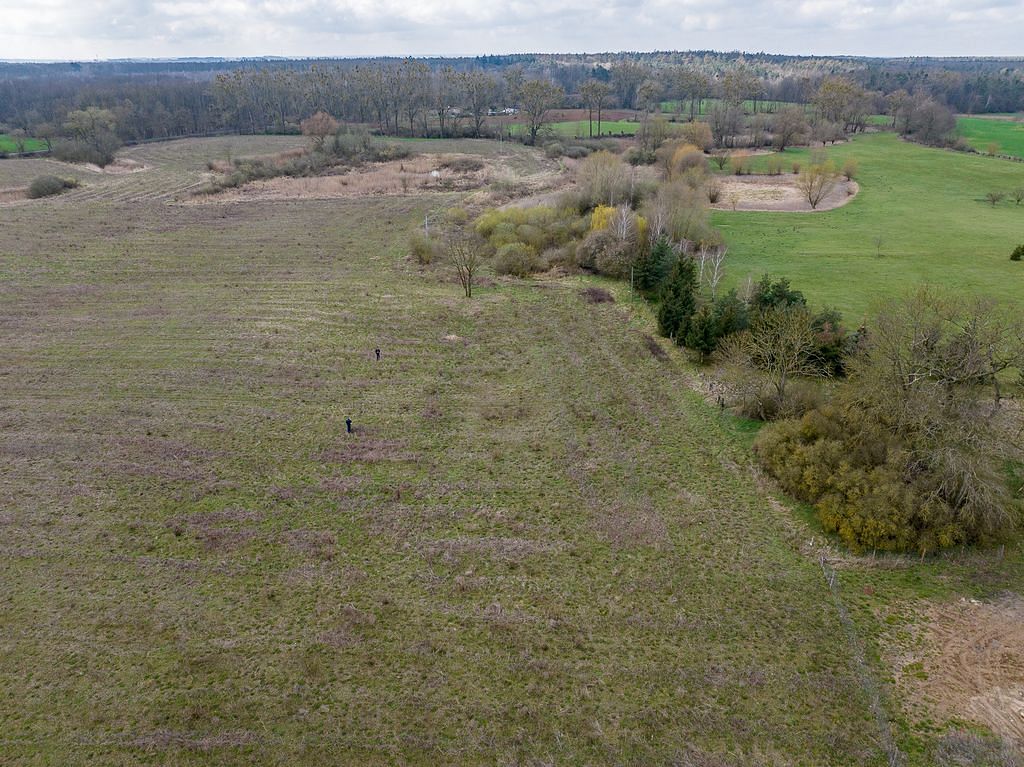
(970, 664)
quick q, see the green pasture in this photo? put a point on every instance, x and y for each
(920, 217)
(8, 144)
(1006, 133)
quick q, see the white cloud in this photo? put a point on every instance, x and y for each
(48, 29)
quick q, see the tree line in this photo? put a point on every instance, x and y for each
(435, 97)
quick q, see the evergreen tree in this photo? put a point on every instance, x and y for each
(653, 266)
(730, 314)
(702, 335)
(678, 301)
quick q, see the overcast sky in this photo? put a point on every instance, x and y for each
(89, 29)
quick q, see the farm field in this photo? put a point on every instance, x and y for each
(8, 144)
(539, 545)
(1005, 131)
(926, 205)
(581, 128)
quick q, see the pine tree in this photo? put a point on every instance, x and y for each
(678, 301)
(702, 335)
(650, 268)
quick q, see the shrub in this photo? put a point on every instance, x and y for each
(603, 179)
(796, 168)
(74, 151)
(774, 165)
(576, 152)
(994, 198)
(699, 134)
(424, 249)
(850, 168)
(516, 259)
(554, 150)
(739, 160)
(1018, 253)
(714, 190)
(47, 186)
(908, 457)
(462, 164)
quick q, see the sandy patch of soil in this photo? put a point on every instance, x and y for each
(965, 660)
(777, 193)
(13, 194)
(119, 167)
(413, 175)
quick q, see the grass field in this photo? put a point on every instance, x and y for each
(926, 205)
(1005, 131)
(673, 107)
(581, 128)
(7, 144)
(539, 545)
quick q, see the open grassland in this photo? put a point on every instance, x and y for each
(920, 217)
(8, 144)
(539, 546)
(581, 128)
(1005, 132)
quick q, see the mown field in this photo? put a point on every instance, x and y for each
(920, 217)
(581, 128)
(1005, 132)
(8, 144)
(539, 545)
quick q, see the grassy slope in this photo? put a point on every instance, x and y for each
(926, 204)
(1008, 134)
(538, 546)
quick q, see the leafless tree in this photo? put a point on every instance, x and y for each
(816, 182)
(465, 250)
(539, 97)
(594, 93)
(318, 127)
(779, 346)
(711, 265)
(787, 127)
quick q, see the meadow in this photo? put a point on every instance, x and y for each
(1005, 132)
(8, 144)
(920, 217)
(539, 545)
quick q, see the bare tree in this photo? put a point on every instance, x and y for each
(318, 127)
(465, 251)
(711, 261)
(780, 345)
(594, 93)
(788, 126)
(539, 97)
(994, 198)
(480, 90)
(816, 182)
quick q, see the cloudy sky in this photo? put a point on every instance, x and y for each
(89, 29)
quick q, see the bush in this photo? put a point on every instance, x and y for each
(576, 152)
(1018, 253)
(424, 249)
(699, 134)
(774, 165)
(47, 186)
(850, 168)
(462, 164)
(516, 259)
(73, 151)
(554, 150)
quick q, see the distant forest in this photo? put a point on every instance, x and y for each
(152, 99)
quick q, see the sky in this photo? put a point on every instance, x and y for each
(103, 29)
